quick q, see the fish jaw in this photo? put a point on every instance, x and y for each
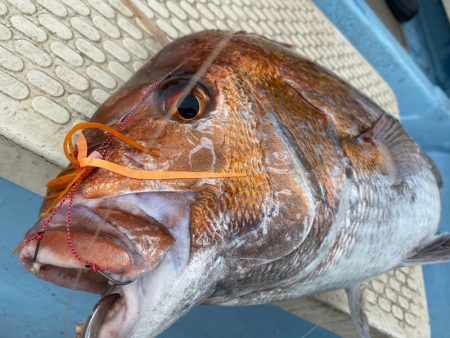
(117, 241)
(161, 274)
(181, 280)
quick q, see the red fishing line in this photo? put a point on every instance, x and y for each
(71, 196)
(72, 248)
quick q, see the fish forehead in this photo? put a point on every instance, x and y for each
(266, 66)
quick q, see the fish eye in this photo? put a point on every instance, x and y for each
(183, 102)
(188, 107)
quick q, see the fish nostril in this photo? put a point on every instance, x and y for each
(133, 162)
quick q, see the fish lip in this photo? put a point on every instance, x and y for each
(95, 222)
(53, 267)
(61, 267)
(58, 223)
(119, 312)
(92, 327)
(98, 315)
(73, 278)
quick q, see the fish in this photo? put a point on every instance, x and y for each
(299, 184)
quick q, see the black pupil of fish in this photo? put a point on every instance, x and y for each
(189, 107)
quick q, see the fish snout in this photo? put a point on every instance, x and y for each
(108, 240)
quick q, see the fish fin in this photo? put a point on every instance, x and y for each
(435, 170)
(359, 318)
(275, 42)
(438, 251)
(403, 156)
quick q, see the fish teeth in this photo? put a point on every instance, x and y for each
(79, 328)
(35, 268)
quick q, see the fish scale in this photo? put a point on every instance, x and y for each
(244, 146)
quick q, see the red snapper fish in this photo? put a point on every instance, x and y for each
(230, 170)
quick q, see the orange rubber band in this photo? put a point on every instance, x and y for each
(82, 163)
(69, 149)
(141, 174)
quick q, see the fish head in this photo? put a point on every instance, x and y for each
(177, 239)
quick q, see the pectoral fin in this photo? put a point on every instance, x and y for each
(438, 251)
(359, 318)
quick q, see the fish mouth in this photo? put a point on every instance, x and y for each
(132, 238)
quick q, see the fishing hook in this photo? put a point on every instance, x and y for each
(108, 277)
(39, 237)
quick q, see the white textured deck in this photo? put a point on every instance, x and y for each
(60, 59)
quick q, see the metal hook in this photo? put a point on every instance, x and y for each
(108, 277)
(35, 266)
(95, 320)
(113, 280)
(39, 237)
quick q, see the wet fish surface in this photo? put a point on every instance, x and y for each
(335, 192)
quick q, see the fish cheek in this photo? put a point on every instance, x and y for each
(203, 159)
(222, 215)
(205, 149)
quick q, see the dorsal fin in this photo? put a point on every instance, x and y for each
(401, 151)
(438, 251)
(275, 42)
